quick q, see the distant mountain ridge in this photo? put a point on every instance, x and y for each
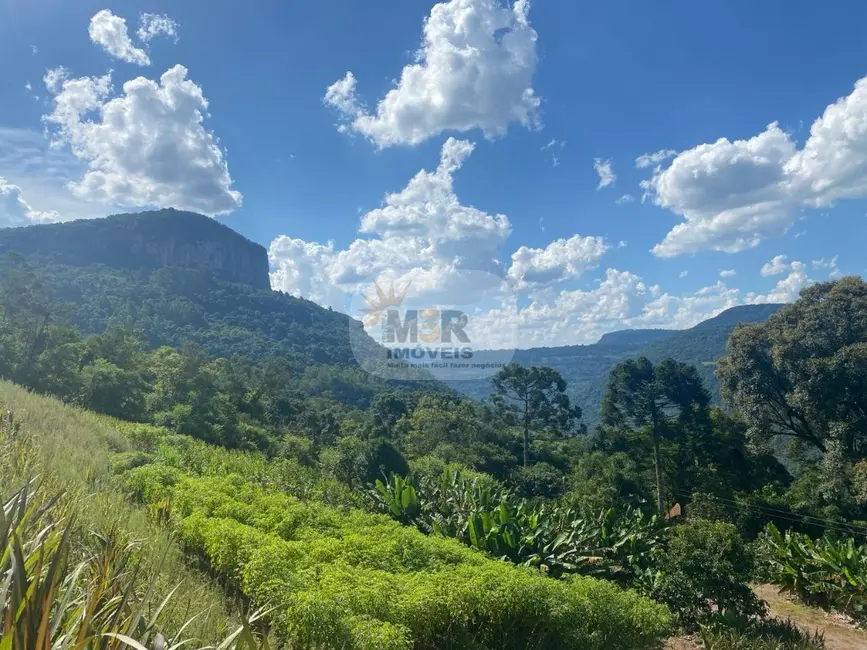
(586, 367)
(145, 240)
(629, 337)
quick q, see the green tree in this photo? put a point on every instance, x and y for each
(655, 399)
(803, 373)
(705, 570)
(437, 420)
(536, 396)
(385, 412)
(108, 389)
(26, 317)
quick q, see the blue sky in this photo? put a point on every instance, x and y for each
(512, 111)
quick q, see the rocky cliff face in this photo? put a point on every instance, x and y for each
(145, 240)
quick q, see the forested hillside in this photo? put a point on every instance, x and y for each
(165, 275)
(427, 521)
(586, 367)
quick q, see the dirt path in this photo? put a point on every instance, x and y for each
(838, 634)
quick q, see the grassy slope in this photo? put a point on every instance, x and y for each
(71, 449)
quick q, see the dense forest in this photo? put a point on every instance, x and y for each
(309, 505)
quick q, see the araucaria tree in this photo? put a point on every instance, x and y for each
(803, 373)
(656, 399)
(536, 397)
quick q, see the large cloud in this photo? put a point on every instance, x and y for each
(428, 208)
(788, 288)
(425, 237)
(404, 245)
(146, 147)
(423, 227)
(15, 211)
(474, 69)
(734, 194)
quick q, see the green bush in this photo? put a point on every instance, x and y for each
(296, 448)
(128, 460)
(352, 580)
(149, 483)
(704, 571)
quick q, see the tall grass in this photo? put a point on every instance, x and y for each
(50, 600)
(69, 451)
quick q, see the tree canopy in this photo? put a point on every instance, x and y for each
(803, 374)
(537, 397)
(653, 398)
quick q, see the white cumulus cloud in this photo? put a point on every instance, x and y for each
(732, 195)
(111, 34)
(428, 208)
(474, 69)
(16, 211)
(787, 289)
(777, 266)
(423, 230)
(145, 147)
(728, 273)
(560, 260)
(605, 170)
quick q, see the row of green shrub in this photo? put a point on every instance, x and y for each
(343, 578)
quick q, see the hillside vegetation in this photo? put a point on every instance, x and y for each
(275, 501)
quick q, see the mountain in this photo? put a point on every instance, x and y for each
(703, 344)
(586, 367)
(146, 240)
(179, 278)
(629, 337)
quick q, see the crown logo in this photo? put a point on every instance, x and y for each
(381, 302)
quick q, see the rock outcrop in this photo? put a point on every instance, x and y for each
(145, 240)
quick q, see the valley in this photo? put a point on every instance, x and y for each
(164, 410)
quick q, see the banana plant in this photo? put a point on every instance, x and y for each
(399, 498)
(828, 572)
(555, 539)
